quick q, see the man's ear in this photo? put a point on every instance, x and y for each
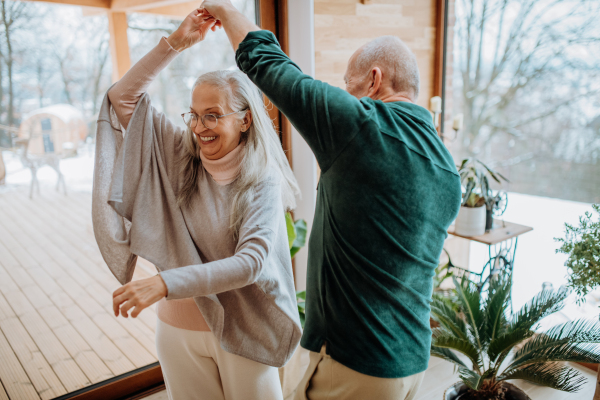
(375, 78)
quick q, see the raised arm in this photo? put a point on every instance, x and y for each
(326, 116)
(125, 94)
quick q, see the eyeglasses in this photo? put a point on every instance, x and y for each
(210, 121)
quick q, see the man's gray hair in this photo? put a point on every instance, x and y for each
(395, 60)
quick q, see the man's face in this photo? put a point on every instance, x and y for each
(356, 84)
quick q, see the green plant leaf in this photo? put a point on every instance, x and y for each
(302, 315)
(495, 308)
(501, 346)
(443, 313)
(552, 375)
(543, 304)
(300, 241)
(543, 348)
(472, 379)
(447, 355)
(577, 331)
(446, 339)
(469, 301)
(291, 229)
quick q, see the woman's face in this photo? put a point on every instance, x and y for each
(216, 143)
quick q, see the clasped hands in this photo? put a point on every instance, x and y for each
(196, 25)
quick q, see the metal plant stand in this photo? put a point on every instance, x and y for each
(502, 242)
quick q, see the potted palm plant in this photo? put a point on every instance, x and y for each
(497, 347)
(582, 246)
(471, 220)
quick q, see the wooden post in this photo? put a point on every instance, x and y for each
(119, 46)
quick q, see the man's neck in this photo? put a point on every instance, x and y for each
(391, 97)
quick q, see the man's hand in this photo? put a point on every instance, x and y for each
(193, 29)
(139, 294)
(218, 8)
(236, 25)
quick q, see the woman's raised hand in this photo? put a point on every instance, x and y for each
(138, 295)
(193, 29)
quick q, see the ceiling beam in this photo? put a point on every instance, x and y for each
(85, 3)
(174, 11)
(138, 5)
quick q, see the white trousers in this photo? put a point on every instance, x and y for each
(196, 368)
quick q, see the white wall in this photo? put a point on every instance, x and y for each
(302, 52)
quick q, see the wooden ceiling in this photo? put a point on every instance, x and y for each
(176, 9)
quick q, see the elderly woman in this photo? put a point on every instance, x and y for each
(206, 205)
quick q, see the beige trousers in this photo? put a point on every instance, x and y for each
(327, 379)
(196, 368)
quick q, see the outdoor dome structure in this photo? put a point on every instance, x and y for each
(56, 129)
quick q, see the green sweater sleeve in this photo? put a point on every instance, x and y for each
(327, 117)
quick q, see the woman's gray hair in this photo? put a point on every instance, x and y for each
(395, 59)
(262, 149)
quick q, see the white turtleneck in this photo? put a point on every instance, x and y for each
(225, 169)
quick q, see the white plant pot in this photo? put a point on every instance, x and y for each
(470, 221)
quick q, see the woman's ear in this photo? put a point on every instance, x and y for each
(247, 121)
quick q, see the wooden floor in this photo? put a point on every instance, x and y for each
(57, 330)
(440, 375)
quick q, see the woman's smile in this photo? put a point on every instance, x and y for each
(204, 139)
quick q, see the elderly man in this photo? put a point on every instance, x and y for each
(387, 193)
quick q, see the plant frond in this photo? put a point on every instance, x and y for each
(469, 300)
(443, 338)
(448, 355)
(552, 375)
(495, 309)
(541, 349)
(578, 331)
(443, 313)
(472, 379)
(504, 343)
(543, 304)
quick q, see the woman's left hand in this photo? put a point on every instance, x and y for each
(139, 294)
(193, 29)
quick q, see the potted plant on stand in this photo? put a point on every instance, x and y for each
(471, 220)
(486, 335)
(582, 245)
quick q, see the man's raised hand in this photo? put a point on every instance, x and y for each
(193, 29)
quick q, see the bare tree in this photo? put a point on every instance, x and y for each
(508, 48)
(14, 15)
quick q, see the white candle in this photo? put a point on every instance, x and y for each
(435, 104)
(457, 123)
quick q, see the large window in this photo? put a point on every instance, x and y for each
(58, 334)
(524, 74)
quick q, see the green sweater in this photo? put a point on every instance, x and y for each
(388, 191)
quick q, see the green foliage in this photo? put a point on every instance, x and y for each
(442, 273)
(296, 231)
(480, 328)
(474, 179)
(301, 298)
(582, 245)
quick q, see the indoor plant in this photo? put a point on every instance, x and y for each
(481, 330)
(477, 194)
(582, 245)
(297, 238)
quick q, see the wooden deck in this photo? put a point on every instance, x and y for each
(57, 330)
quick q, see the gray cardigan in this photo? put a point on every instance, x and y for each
(244, 288)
